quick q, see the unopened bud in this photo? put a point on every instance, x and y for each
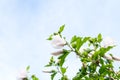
(108, 42)
(57, 53)
(108, 57)
(22, 75)
(47, 71)
(116, 58)
(58, 42)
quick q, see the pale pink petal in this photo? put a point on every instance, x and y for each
(58, 42)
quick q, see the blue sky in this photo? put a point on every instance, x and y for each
(25, 25)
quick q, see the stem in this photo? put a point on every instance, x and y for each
(59, 70)
(70, 46)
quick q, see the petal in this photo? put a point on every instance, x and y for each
(58, 42)
(57, 53)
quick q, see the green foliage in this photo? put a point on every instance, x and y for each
(63, 70)
(95, 66)
(51, 63)
(77, 42)
(62, 57)
(61, 29)
(50, 37)
(53, 74)
(99, 38)
(34, 77)
(27, 68)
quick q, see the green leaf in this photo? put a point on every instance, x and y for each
(34, 77)
(50, 37)
(61, 28)
(92, 67)
(73, 44)
(73, 39)
(77, 77)
(52, 59)
(51, 62)
(104, 50)
(62, 57)
(102, 69)
(86, 39)
(64, 77)
(63, 70)
(81, 41)
(99, 37)
(53, 74)
(78, 43)
(27, 68)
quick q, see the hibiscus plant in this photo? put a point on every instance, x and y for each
(96, 63)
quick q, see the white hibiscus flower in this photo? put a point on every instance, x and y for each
(108, 42)
(58, 42)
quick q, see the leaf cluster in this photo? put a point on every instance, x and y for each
(94, 65)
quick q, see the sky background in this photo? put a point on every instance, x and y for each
(25, 25)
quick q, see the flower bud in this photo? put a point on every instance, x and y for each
(108, 42)
(108, 57)
(22, 75)
(47, 71)
(116, 58)
(57, 53)
(58, 42)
